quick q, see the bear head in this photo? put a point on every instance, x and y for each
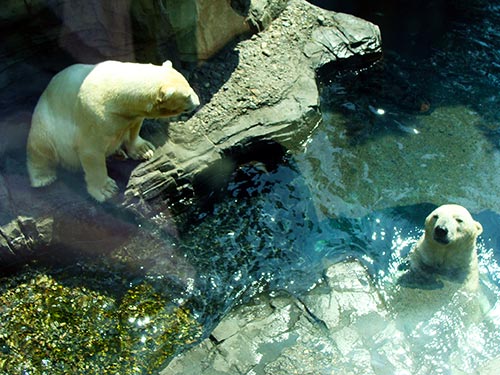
(175, 96)
(448, 246)
(451, 225)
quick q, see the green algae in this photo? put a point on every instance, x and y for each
(49, 328)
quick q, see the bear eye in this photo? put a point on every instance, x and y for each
(459, 220)
(435, 217)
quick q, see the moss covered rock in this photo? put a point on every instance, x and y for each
(50, 328)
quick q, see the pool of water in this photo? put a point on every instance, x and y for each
(277, 240)
(419, 129)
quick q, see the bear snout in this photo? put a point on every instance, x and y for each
(441, 235)
(195, 102)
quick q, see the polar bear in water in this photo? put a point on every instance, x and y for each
(448, 247)
(443, 273)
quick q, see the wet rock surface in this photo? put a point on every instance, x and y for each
(282, 334)
(341, 326)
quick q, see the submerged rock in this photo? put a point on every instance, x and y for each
(49, 327)
(342, 325)
(283, 335)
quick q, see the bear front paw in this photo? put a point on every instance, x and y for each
(141, 150)
(104, 192)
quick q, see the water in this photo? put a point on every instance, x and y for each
(418, 130)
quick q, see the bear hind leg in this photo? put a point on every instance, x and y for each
(41, 168)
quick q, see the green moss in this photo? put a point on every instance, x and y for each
(152, 329)
(49, 328)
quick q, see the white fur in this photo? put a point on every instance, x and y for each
(443, 279)
(88, 112)
(448, 246)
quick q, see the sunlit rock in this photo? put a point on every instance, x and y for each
(262, 90)
(283, 335)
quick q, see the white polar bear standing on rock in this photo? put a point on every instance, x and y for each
(88, 112)
(448, 246)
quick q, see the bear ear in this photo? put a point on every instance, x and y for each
(167, 64)
(430, 217)
(479, 227)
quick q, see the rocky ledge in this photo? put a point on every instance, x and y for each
(282, 334)
(341, 326)
(260, 91)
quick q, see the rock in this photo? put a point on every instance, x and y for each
(269, 95)
(349, 39)
(199, 28)
(490, 368)
(353, 281)
(278, 335)
(62, 222)
(13, 12)
(259, 13)
(138, 30)
(23, 236)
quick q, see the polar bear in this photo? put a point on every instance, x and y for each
(437, 302)
(442, 279)
(88, 112)
(448, 246)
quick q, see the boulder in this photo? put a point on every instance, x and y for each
(202, 27)
(20, 238)
(278, 334)
(262, 91)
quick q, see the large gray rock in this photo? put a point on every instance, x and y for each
(135, 30)
(23, 236)
(262, 90)
(202, 27)
(282, 335)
